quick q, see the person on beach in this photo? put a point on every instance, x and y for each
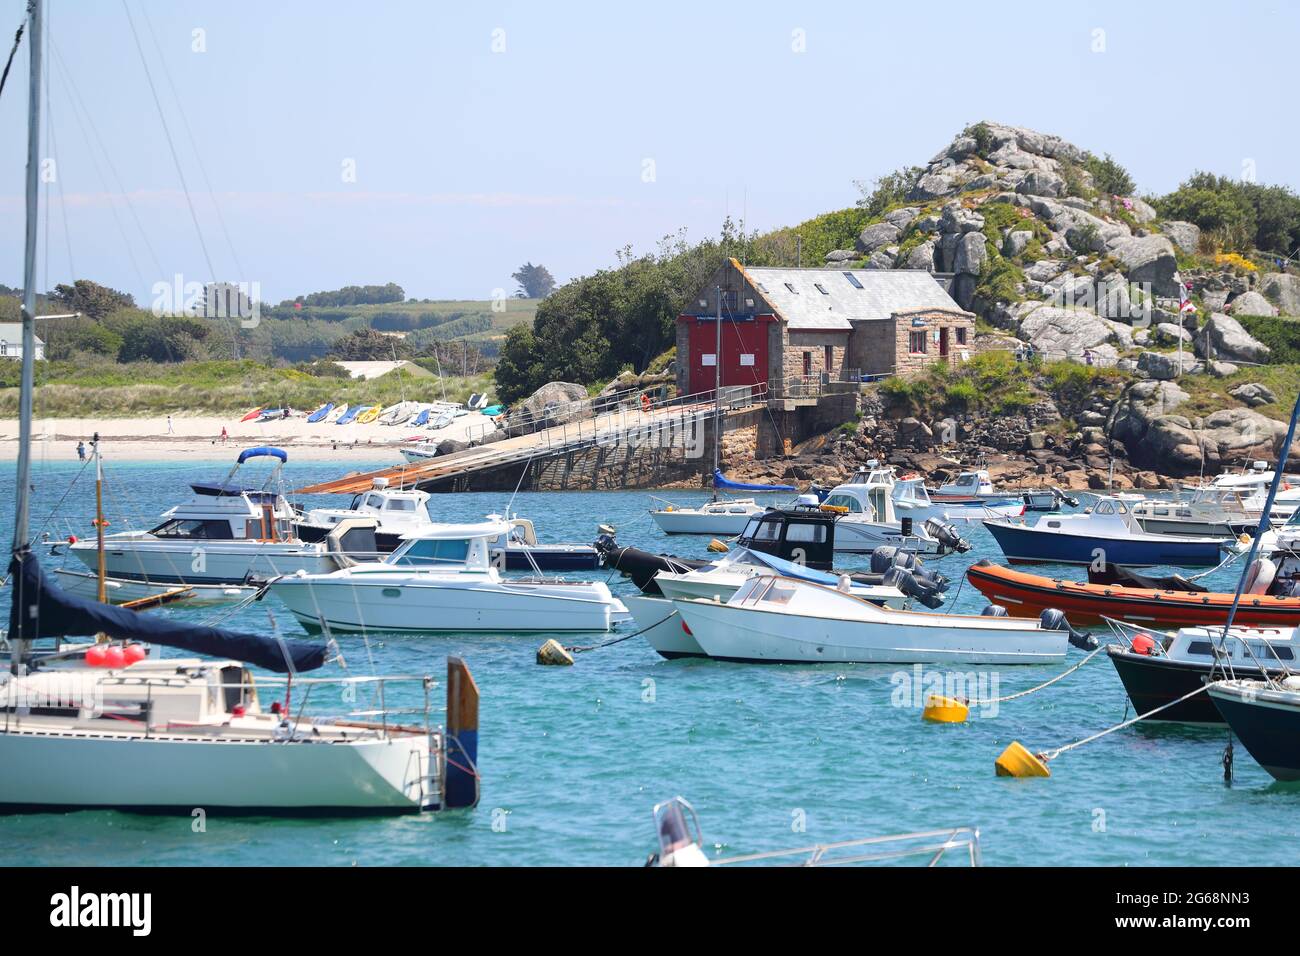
(170, 430)
(94, 444)
(224, 436)
(81, 450)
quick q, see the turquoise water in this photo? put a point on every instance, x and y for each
(574, 758)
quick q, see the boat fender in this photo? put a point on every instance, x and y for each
(134, 653)
(72, 539)
(1053, 619)
(994, 610)
(114, 656)
(553, 653)
(1144, 644)
(914, 587)
(95, 655)
(716, 547)
(1260, 576)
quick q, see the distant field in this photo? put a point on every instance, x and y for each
(304, 334)
(67, 390)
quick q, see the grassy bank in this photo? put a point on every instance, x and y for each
(141, 389)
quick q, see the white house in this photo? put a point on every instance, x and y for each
(11, 342)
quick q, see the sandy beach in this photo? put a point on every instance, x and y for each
(147, 439)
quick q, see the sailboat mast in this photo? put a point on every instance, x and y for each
(102, 586)
(22, 532)
(717, 391)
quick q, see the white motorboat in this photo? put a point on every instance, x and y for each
(397, 514)
(226, 534)
(912, 500)
(726, 516)
(775, 619)
(659, 623)
(869, 520)
(442, 581)
(417, 453)
(85, 584)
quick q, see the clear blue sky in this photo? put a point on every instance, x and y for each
(469, 162)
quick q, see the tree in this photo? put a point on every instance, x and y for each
(535, 282)
(367, 345)
(91, 298)
(351, 295)
(69, 338)
(1108, 176)
(165, 339)
(889, 190)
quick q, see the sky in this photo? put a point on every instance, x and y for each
(440, 145)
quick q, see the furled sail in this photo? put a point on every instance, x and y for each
(723, 483)
(41, 609)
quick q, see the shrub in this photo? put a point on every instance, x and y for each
(1109, 176)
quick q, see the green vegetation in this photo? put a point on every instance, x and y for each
(1236, 215)
(1108, 176)
(106, 387)
(886, 193)
(535, 282)
(1281, 335)
(994, 383)
(352, 295)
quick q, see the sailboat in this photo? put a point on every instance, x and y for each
(718, 516)
(178, 733)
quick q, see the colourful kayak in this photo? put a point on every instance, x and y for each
(350, 414)
(369, 415)
(251, 415)
(321, 413)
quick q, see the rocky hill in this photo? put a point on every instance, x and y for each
(1064, 270)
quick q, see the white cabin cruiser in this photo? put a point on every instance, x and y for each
(225, 534)
(912, 500)
(869, 520)
(725, 516)
(398, 514)
(444, 580)
(776, 620)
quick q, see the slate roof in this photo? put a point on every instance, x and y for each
(828, 299)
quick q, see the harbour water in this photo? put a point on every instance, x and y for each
(573, 759)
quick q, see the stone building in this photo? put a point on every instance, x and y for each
(784, 327)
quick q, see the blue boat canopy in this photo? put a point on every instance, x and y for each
(41, 609)
(723, 483)
(219, 489)
(263, 452)
(792, 570)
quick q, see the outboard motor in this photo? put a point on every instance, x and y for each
(1054, 620)
(994, 610)
(882, 559)
(605, 544)
(946, 535)
(914, 587)
(1062, 497)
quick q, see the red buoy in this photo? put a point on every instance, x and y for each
(72, 539)
(134, 653)
(114, 656)
(95, 655)
(1144, 643)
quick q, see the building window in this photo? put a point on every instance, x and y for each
(729, 300)
(792, 289)
(961, 336)
(853, 280)
(807, 364)
(830, 359)
(4, 347)
(916, 342)
(821, 288)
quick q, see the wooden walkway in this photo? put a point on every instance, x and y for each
(672, 423)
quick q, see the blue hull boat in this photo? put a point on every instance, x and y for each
(1026, 545)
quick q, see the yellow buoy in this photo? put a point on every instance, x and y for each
(1016, 761)
(716, 546)
(945, 710)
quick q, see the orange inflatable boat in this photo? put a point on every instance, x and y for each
(1027, 595)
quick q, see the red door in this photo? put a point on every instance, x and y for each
(744, 353)
(943, 343)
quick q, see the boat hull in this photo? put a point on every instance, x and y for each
(1266, 722)
(1028, 595)
(863, 537)
(682, 521)
(86, 585)
(203, 562)
(1026, 545)
(131, 771)
(433, 606)
(574, 558)
(1152, 682)
(661, 626)
(748, 635)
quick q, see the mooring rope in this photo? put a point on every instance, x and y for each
(1053, 754)
(1049, 683)
(620, 640)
